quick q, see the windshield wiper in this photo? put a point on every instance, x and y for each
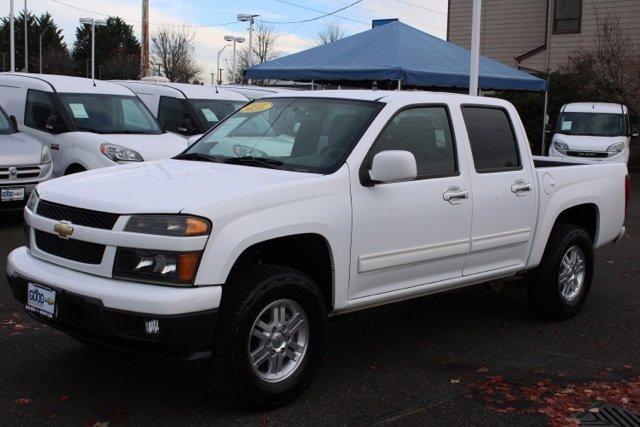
(197, 156)
(255, 161)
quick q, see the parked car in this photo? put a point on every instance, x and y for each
(592, 130)
(24, 163)
(185, 109)
(380, 197)
(87, 124)
(256, 92)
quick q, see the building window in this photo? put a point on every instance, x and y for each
(567, 18)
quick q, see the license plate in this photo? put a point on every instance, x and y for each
(11, 194)
(41, 300)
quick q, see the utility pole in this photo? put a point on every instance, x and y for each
(247, 17)
(41, 33)
(474, 70)
(144, 51)
(94, 23)
(12, 37)
(26, 36)
(218, 73)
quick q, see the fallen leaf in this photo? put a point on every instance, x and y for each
(482, 370)
(23, 401)
(455, 381)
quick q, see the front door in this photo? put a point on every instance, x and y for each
(504, 204)
(413, 233)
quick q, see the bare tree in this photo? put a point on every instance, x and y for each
(173, 54)
(264, 49)
(610, 70)
(330, 32)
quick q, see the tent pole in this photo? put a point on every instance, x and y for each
(475, 48)
(400, 84)
(312, 84)
(544, 120)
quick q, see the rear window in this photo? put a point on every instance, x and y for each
(493, 142)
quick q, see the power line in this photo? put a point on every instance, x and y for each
(321, 11)
(139, 21)
(421, 7)
(317, 17)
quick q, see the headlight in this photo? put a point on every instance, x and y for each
(160, 267)
(560, 146)
(168, 225)
(118, 153)
(45, 156)
(616, 148)
(33, 199)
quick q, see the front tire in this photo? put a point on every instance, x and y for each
(559, 287)
(270, 336)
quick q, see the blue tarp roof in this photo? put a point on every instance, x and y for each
(392, 52)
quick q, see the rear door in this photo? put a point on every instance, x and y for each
(504, 202)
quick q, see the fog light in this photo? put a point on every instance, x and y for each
(152, 327)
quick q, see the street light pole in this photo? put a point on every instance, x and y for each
(12, 38)
(41, 51)
(233, 61)
(218, 63)
(246, 17)
(94, 23)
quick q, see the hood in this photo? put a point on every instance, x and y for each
(150, 147)
(19, 149)
(589, 143)
(166, 186)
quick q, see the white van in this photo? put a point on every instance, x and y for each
(87, 124)
(185, 109)
(592, 130)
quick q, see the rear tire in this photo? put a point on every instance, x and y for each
(559, 286)
(270, 336)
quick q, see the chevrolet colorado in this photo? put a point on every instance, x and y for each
(299, 207)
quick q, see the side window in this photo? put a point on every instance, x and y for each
(426, 133)
(567, 17)
(39, 108)
(172, 114)
(133, 116)
(492, 140)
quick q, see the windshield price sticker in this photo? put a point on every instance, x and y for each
(210, 115)
(257, 107)
(567, 125)
(78, 110)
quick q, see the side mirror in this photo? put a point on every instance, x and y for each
(393, 166)
(54, 124)
(14, 122)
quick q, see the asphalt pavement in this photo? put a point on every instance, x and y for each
(469, 357)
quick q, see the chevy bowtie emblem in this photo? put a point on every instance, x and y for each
(64, 229)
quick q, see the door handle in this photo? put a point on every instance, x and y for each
(455, 195)
(520, 186)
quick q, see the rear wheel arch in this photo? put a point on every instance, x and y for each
(308, 253)
(585, 216)
(74, 168)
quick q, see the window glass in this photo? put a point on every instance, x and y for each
(594, 124)
(5, 124)
(426, 133)
(212, 111)
(567, 16)
(38, 110)
(492, 140)
(109, 113)
(174, 116)
(300, 134)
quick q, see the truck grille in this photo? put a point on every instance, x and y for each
(588, 154)
(22, 172)
(79, 216)
(71, 249)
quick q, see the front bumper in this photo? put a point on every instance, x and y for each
(113, 313)
(622, 157)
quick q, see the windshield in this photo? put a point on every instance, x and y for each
(5, 124)
(299, 134)
(109, 114)
(212, 111)
(592, 124)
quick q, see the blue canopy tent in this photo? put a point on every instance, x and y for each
(394, 51)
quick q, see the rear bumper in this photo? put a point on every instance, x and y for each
(115, 313)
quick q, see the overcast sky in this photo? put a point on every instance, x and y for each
(427, 15)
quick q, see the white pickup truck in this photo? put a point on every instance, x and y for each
(300, 207)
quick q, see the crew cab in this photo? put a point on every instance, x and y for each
(594, 131)
(186, 109)
(86, 123)
(24, 163)
(300, 207)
